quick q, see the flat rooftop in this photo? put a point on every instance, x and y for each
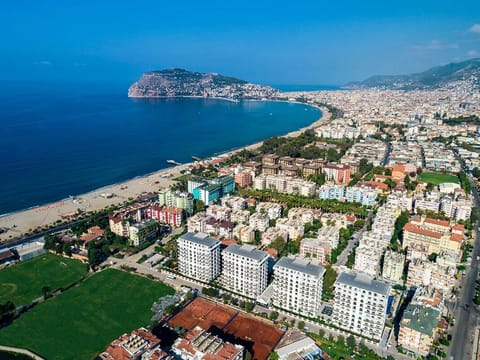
(200, 238)
(301, 265)
(363, 281)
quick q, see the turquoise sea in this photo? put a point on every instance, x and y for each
(66, 139)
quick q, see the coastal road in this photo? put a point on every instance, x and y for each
(466, 313)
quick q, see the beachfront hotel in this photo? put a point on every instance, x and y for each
(297, 285)
(210, 190)
(198, 256)
(245, 270)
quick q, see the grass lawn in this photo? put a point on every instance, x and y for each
(23, 282)
(438, 178)
(81, 322)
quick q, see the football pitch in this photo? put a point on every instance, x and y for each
(81, 322)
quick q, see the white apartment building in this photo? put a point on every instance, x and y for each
(329, 235)
(197, 222)
(319, 251)
(245, 270)
(393, 264)
(367, 260)
(360, 304)
(273, 210)
(294, 228)
(240, 216)
(259, 222)
(198, 256)
(298, 285)
(219, 212)
(244, 233)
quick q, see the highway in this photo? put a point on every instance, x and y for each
(466, 313)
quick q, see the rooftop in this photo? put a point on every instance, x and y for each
(364, 281)
(247, 251)
(200, 238)
(301, 265)
(423, 319)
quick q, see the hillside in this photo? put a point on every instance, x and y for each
(467, 72)
(181, 83)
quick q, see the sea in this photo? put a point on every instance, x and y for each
(63, 139)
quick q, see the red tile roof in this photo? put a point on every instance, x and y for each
(444, 223)
(415, 229)
(456, 237)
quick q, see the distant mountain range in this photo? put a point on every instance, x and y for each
(183, 83)
(434, 78)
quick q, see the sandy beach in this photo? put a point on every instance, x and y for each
(18, 224)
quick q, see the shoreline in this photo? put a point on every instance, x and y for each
(20, 222)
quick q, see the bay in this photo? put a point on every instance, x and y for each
(66, 139)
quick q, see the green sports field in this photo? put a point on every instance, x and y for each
(438, 178)
(23, 282)
(81, 322)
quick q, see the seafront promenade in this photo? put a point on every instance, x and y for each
(20, 223)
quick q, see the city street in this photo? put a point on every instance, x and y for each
(466, 312)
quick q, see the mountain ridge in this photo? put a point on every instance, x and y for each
(433, 78)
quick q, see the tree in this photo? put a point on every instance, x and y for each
(432, 257)
(278, 244)
(249, 306)
(7, 312)
(341, 340)
(67, 249)
(391, 184)
(321, 333)
(46, 291)
(476, 172)
(274, 356)
(359, 224)
(301, 325)
(351, 342)
(388, 172)
(199, 206)
(273, 315)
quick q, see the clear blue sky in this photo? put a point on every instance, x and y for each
(272, 42)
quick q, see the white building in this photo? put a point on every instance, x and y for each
(298, 286)
(367, 260)
(360, 304)
(198, 256)
(294, 228)
(259, 222)
(273, 210)
(245, 270)
(393, 264)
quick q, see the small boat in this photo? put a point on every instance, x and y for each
(196, 158)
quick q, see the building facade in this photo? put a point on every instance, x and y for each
(198, 256)
(298, 286)
(245, 270)
(361, 304)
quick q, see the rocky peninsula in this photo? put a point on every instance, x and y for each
(184, 83)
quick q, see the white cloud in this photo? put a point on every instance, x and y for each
(473, 53)
(435, 45)
(475, 28)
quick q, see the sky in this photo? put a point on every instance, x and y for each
(268, 42)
